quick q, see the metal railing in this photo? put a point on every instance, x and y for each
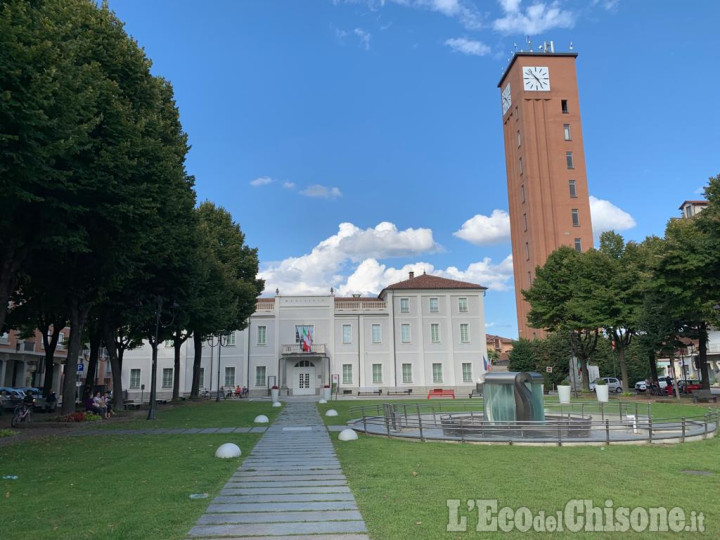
(581, 423)
(296, 348)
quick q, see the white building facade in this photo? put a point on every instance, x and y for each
(422, 333)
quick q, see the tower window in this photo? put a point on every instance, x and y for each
(520, 165)
(525, 221)
(569, 159)
(578, 244)
(519, 138)
(573, 190)
(566, 131)
(530, 277)
(522, 193)
(564, 105)
(575, 218)
(527, 251)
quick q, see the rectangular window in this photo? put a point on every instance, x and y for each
(347, 333)
(564, 106)
(525, 221)
(519, 138)
(520, 165)
(566, 132)
(262, 335)
(168, 343)
(578, 244)
(569, 160)
(406, 333)
(522, 193)
(376, 333)
(61, 340)
(347, 373)
(377, 373)
(260, 376)
(467, 372)
(464, 333)
(573, 190)
(5, 338)
(407, 373)
(230, 339)
(201, 378)
(462, 305)
(167, 380)
(404, 305)
(575, 218)
(435, 333)
(229, 376)
(527, 251)
(433, 305)
(437, 373)
(135, 379)
(530, 277)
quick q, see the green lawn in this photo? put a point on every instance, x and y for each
(203, 413)
(111, 486)
(402, 487)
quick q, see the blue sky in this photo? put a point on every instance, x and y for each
(357, 140)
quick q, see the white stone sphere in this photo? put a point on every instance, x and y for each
(331, 412)
(228, 450)
(261, 419)
(277, 404)
(322, 400)
(348, 435)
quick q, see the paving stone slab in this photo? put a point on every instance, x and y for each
(242, 430)
(294, 537)
(258, 430)
(250, 529)
(270, 517)
(283, 491)
(281, 507)
(299, 483)
(302, 497)
(193, 430)
(210, 430)
(226, 429)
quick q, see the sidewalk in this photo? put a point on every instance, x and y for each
(289, 487)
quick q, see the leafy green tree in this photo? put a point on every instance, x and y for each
(522, 356)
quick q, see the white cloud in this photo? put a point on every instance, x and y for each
(364, 38)
(464, 11)
(483, 230)
(261, 181)
(289, 185)
(606, 217)
(700, 191)
(322, 268)
(467, 46)
(535, 19)
(322, 192)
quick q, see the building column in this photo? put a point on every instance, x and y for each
(3, 363)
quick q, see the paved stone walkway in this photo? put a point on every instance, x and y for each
(289, 487)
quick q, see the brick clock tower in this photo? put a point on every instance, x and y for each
(545, 162)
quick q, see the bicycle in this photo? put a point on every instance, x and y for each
(22, 413)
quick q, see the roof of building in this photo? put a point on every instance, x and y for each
(531, 53)
(695, 203)
(494, 337)
(426, 281)
(265, 299)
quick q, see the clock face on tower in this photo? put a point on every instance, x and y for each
(536, 78)
(506, 99)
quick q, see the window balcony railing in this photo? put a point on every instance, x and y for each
(265, 306)
(296, 348)
(361, 306)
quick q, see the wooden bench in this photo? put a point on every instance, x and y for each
(703, 395)
(369, 390)
(399, 391)
(130, 404)
(441, 392)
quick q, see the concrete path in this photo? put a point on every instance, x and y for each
(289, 487)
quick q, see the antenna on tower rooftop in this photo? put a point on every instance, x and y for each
(571, 45)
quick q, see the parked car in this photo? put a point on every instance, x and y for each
(687, 386)
(10, 397)
(641, 386)
(614, 384)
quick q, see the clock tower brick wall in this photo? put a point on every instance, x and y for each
(543, 209)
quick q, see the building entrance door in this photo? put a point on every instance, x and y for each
(304, 378)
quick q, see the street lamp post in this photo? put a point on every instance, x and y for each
(219, 342)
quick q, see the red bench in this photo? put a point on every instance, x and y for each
(440, 392)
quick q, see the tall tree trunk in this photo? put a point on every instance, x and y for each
(653, 367)
(108, 337)
(702, 355)
(177, 345)
(95, 342)
(197, 360)
(78, 317)
(50, 346)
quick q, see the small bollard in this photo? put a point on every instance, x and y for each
(607, 432)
